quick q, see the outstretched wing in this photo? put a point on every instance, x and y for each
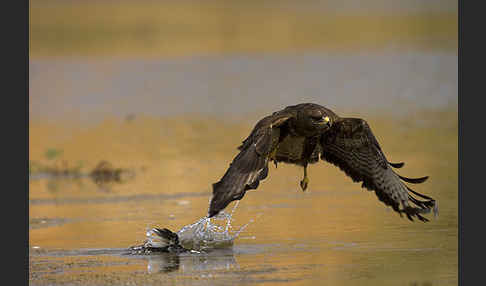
(351, 146)
(251, 164)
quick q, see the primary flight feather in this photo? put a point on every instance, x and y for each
(304, 133)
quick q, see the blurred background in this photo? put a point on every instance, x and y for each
(137, 107)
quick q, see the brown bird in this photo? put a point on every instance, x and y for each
(304, 133)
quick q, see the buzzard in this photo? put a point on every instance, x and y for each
(304, 133)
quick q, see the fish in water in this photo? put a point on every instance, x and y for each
(160, 240)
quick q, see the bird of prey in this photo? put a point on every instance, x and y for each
(304, 133)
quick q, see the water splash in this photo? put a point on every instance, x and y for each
(206, 233)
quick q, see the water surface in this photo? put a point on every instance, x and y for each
(176, 124)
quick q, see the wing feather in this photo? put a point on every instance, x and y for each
(250, 166)
(396, 165)
(351, 146)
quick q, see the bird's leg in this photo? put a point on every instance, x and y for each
(305, 180)
(273, 156)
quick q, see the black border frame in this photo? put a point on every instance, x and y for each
(15, 117)
(470, 196)
(15, 126)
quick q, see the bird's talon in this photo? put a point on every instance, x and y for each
(303, 184)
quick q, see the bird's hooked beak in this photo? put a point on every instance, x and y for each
(326, 120)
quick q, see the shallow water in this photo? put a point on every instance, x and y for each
(234, 86)
(335, 233)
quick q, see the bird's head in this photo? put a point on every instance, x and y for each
(314, 120)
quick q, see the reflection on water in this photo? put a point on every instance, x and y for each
(165, 262)
(336, 233)
(221, 259)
